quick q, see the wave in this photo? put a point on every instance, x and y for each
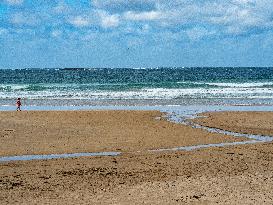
(243, 85)
(142, 93)
(229, 84)
(131, 86)
(139, 91)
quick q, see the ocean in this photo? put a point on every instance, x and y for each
(137, 86)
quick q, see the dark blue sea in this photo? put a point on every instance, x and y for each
(137, 86)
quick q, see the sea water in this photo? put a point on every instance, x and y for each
(136, 87)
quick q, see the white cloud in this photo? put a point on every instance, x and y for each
(230, 15)
(198, 33)
(243, 2)
(143, 16)
(24, 19)
(56, 33)
(23, 31)
(108, 20)
(146, 28)
(61, 8)
(141, 30)
(14, 2)
(3, 31)
(79, 21)
(233, 17)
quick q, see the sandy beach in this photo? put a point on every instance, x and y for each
(224, 175)
(47, 132)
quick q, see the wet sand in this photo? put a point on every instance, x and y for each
(224, 175)
(48, 132)
(259, 123)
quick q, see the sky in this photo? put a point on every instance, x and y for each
(135, 33)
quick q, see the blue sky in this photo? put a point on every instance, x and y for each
(135, 33)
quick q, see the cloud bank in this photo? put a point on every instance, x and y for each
(140, 24)
(227, 17)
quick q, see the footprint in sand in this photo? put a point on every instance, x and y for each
(9, 130)
(6, 132)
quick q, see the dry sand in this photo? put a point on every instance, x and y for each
(227, 175)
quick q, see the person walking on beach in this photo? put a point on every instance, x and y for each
(18, 104)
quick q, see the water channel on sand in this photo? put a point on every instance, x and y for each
(177, 114)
